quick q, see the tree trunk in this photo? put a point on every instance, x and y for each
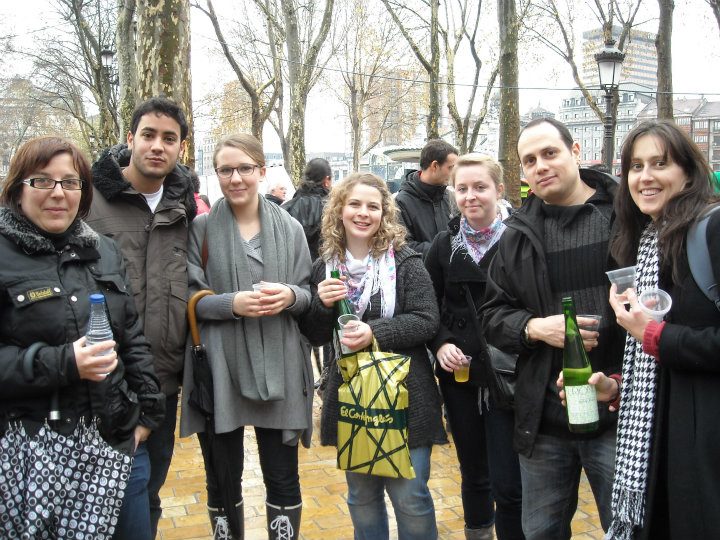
(127, 68)
(663, 46)
(163, 40)
(509, 99)
(433, 120)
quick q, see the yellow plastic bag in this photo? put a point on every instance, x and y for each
(372, 424)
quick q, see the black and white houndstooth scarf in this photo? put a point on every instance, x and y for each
(637, 411)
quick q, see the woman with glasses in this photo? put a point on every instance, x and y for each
(52, 262)
(260, 366)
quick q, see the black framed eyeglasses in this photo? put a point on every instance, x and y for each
(68, 184)
(244, 169)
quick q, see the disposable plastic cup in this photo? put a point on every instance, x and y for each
(258, 286)
(462, 374)
(655, 302)
(587, 325)
(346, 321)
(624, 279)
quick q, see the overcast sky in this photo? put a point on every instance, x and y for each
(696, 65)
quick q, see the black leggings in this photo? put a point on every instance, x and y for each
(224, 456)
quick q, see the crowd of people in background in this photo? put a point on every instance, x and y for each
(135, 228)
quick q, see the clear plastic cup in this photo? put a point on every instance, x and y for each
(462, 374)
(587, 325)
(258, 286)
(655, 302)
(624, 279)
(350, 321)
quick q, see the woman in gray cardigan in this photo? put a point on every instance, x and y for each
(261, 369)
(391, 292)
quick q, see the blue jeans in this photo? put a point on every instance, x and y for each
(411, 500)
(134, 520)
(160, 446)
(550, 480)
(491, 488)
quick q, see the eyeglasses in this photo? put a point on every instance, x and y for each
(244, 169)
(68, 184)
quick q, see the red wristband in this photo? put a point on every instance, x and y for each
(615, 403)
(651, 339)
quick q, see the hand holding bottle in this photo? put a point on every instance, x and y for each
(331, 290)
(606, 388)
(90, 366)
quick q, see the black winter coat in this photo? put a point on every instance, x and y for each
(307, 207)
(451, 275)
(684, 484)
(423, 215)
(44, 297)
(518, 289)
(415, 318)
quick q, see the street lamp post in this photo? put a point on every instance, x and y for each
(609, 61)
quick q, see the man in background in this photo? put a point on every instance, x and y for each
(277, 192)
(424, 203)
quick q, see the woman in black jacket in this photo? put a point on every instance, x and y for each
(666, 476)
(387, 285)
(52, 262)
(457, 261)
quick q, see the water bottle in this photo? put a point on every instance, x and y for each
(98, 326)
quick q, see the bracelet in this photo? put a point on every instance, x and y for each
(526, 333)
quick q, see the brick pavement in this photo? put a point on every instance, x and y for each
(325, 515)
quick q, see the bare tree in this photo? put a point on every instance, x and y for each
(461, 27)
(407, 17)
(370, 62)
(509, 98)
(127, 66)
(263, 93)
(561, 16)
(296, 25)
(663, 46)
(163, 54)
(69, 74)
(715, 6)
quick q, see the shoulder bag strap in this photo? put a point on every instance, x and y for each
(699, 258)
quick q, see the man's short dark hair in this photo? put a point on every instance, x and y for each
(316, 171)
(435, 150)
(160, 105)
(565, 134)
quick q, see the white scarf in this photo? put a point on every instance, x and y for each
(379, 275)
(637, 410)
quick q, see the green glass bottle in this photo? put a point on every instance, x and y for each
(582, 406)
(342, 307)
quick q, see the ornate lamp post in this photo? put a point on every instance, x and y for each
(609, 61)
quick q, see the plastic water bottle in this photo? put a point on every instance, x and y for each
(98, 326)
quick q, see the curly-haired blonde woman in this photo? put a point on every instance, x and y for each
(388, 287)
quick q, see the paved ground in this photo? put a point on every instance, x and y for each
(325, 515)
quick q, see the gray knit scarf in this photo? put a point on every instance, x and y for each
(253, 346)
(637, 411)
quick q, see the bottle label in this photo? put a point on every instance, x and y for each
(582, 405)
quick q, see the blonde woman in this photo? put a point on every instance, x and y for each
(387, 284)
(457, 261)
(261, 369)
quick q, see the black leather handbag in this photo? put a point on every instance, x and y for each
(500, 367)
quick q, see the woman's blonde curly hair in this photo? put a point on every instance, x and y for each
(390, 233)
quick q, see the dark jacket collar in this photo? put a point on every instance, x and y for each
(421, 190)
(110, 181)
(310, 188)
(21, 232)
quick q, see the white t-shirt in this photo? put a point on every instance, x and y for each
(153, 199)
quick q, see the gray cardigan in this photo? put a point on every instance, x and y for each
(294, 413)
(416, 318)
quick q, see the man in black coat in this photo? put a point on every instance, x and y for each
(556, 245)
(424, 203)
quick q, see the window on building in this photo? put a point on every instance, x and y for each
(702, 124)
(701, 138)
(716, 125)
(683, 121)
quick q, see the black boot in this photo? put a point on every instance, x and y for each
(484, 533)
(223, 525)
(283, 521)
